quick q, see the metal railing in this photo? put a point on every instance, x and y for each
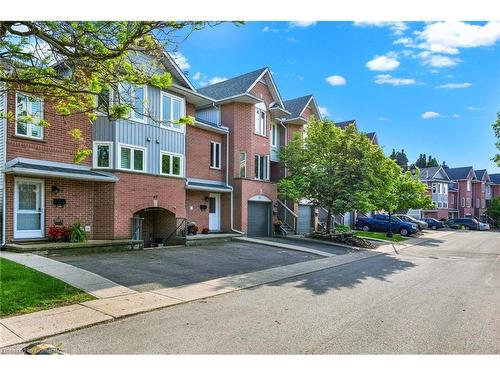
(323, 216)
(287, 216)
(180, 231)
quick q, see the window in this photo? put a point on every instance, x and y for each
(215, 155)
(483, 203)
(274, 135)
(132, 158)
(243, 164)
(468, 200)
(434, 188)
(171, 164)
(483, 187)
(445, 188)
(103, 101)
(478, 203)
(468, 185)
(29, 113)
(463, 202)
(103, 155)
(136, 97)
(260, 119)
(261, 167)
(171, 110)
(452, 199)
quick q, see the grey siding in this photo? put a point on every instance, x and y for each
(209, 114)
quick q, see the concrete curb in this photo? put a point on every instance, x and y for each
(284, 246)
(42, 324)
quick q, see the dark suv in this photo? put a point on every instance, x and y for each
(467, 223)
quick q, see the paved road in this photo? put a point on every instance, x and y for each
(440, 297)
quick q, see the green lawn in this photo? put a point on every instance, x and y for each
(380, 236)
(24, 290)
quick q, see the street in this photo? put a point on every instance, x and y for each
(439, 297)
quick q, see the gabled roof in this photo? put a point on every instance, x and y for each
(460, 173)
(297, 106)
(240, 86)
(345, 124)
(430, 173)
(482, 174)
(372, 136)
(495, 178)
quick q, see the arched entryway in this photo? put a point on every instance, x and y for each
(154, 225)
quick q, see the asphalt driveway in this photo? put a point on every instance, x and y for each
(160, 268)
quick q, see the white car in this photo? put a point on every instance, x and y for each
(484, 226)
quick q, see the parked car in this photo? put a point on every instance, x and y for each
(380, 223)
(434, 223)
(420, 223)
(467, 223)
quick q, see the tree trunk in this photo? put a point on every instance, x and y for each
(329, 221)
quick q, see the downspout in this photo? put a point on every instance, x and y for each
(227, 183)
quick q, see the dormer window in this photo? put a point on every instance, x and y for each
(172, 109)
(468, 185)
(135, 96)
(260, 119)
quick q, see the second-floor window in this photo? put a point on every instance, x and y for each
(29, 113)
(243, 164)
(483, 187)
(260, 119)
(452, 199)
(171, 164)
(103, 155)
(463, 202)
(132, 158)
(468, 200)
(468, 185)
(261, 167)
(135, 96)
(274, 135)
(172, 109)
(215, 156)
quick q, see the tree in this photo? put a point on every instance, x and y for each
(432, 162)
(404, 192)
(400, 158)
(337, 168)
(73, 63)
(444, 165)
(493, 210)
(496, 129)
(421, 161)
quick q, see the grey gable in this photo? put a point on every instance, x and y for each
(296, 106)
(345, 124)
(232, 87)
(460, 173)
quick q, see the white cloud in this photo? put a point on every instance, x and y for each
(387, 79)
(291, 39)
(430, 114)
(455, 85)
(456, 115)
(323, 111)
(336, 80)
(472, 108)
(404, 41)
(449, 37)
(302, 23)
(398, 28)
(197, 76)
(266, 29)
(216, 79)
(437, 61)
(180, 60)
(383, 63)
(383, 119)
(301, 78)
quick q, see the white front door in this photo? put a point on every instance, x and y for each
(28, 208)
(214, 212)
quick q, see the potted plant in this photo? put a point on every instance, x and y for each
(58, 233)
(204, 231)
(277, 225)
(76, 233)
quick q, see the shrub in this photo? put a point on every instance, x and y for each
(342, 228)
(58, 233)
(204, 231)
(76, 233)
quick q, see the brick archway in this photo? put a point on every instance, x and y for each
(156, 225)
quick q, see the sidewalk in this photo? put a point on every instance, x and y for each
(46, 323)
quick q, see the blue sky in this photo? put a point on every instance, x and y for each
(429, 88)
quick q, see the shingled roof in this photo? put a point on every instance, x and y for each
(296, 106)
(345, 124)
(232, 87)
(459, 173)
(495, 178)
(480, 173)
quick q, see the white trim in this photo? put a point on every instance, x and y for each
(28, 110)
(169, 124)
(132, 147)
(33, 233)
(181, 157)
(176, 67)
(133, 87)
(274, 137)
(278, 95)
(95, 154)
(259, 198)
(218, 162)
(258, 165)
(260, 108)
(216, 196)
